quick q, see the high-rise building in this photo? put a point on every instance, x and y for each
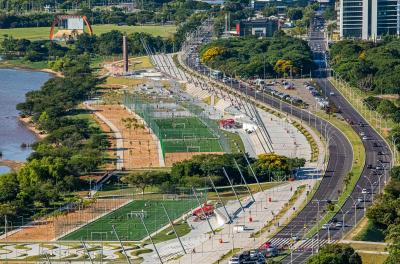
(369, 19)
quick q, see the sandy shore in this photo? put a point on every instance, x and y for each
(27, 121)
(12, 164)
(4, 65)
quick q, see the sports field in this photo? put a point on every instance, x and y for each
(42, 33)
(127, 222)
(186, 134)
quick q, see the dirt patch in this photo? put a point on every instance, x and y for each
(139, 145)
(53, 227)
(171, 158)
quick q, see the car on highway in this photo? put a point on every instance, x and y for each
(339, 224)
(325, 226)
(235, 260)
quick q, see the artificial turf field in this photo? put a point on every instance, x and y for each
(186, 134)
(129, 227)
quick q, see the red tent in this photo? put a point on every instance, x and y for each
(207, 208)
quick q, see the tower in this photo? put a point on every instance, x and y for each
(125, 54)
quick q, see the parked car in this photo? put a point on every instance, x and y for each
(364, 191)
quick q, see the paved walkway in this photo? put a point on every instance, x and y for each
(202, 247)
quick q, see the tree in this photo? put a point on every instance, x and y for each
(270, 10)
(386, 108)
(335, 254)
(142, 180)
(295, 13)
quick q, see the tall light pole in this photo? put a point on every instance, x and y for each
(372, 190)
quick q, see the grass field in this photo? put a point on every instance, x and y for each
(41, 33)
(128, 227)
(187, 134)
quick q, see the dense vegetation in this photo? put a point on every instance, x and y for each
(335, 254)
(281, 55)
(367, 65)
(73, 146)
(387, 108)
(176, 11)
(195, 172)
(385, 215)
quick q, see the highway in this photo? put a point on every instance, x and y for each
(377, 156)
(340, 154)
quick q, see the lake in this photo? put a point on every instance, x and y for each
(14, 84)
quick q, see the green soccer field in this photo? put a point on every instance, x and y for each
(127, 224)
(186, 134)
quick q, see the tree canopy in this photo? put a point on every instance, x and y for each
(367, 65)
(251, 57)
(335, 254)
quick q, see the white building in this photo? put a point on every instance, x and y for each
(369, 19)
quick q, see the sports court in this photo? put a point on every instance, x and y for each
(127, 222)
(186, 134)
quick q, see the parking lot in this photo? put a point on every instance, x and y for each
(294, 89)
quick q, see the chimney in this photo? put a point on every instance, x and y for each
(125, 54)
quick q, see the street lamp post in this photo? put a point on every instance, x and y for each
(355, 210)
(372, 190)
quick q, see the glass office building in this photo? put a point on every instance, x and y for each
(369, 19)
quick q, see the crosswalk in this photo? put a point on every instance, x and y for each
(308, 244)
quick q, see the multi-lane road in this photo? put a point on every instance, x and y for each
(340, 152)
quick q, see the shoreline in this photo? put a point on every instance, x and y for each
(14, 165)
(30, 125)
(27, 68)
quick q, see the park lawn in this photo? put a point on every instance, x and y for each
(372, 258)
(121, 81)
(235, 142)
(182, 228)
(42, 33)
(21, 63)
(128, 227)
(369, 232)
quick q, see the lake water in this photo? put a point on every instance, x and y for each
(13, 86)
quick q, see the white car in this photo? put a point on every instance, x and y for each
(325, 226)
(339, 224)
(234, 260)
(364, 138)
(364, 191)
(331, 93)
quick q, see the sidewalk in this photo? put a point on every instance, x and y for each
(202, 247)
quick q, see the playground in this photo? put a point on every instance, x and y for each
(127, 220)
